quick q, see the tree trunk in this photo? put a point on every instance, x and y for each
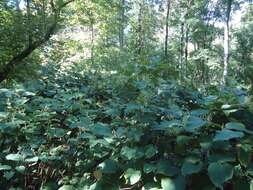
(28, 24)
(92, 43)
(182, 46)
(140, 30)
(186, 44)
(226, 42)
(167, 30)
(17, 60)
(17, 2)
(122, 23)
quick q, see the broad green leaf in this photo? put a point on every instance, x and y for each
(67, 187)
(177, 183)
(166, 168)
(133, 176)
(194, 123)
(164, 125)
(20, 169)
(5, 167)
(219, 173)
(148, 168)
(109, 166)
(235, 126)
(132, 153)
(182, 139)
(8, 174)
(190, 167)
(226, 134)
(3, 115)
(150, 151)
(33, 159)
(244, 155)
(101, 129)
(14, 157)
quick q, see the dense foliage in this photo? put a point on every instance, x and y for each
(126, 95)
(74, 130)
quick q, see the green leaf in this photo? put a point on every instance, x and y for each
(220, 173)
(3, 115)
(244, 155)
(182, 140)
(190, 167)
(20, 169)
(166, 168)
(102, 129)
(235, 126)
(150, 151)
(56, 132)
(109, 166)
(133, 176)
(8, 175)
(5, 167)
(14, 157)
(173, 184)
(148, 168)
(194, 123)
(33, 159)
(67, 187)
(226, 134)
(132, 153)
(164, 125)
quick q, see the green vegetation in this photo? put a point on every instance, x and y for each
(126, 95)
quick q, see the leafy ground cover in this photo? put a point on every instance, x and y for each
(76, 131)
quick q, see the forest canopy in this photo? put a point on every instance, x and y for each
(126, 94)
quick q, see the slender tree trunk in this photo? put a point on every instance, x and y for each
(17, 60)
(122, 24)
(140, 29)
(186, 44)
(17, 2)
(226, 42)
(44, 16)
(92, 42)
(28, 12)
(182, 46)
(167, 30)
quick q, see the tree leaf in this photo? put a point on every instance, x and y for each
(14, 157)
(109, 166)
(226, 134)
(133, 176)
(5, 167)
(166, 168)
(244, 155)
(189, 167)
(102, 129)
(194, 123)
(173, 184)
(220, 173)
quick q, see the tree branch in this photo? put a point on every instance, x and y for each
(17, 60)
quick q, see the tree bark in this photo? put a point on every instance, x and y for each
(122, 23)
(28, 23)
(140, 29)
(182, 46)
(167, 30)
(226, 42)
(17, 2)
(92, 42)
(17, 60)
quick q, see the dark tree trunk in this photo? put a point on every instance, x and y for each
(122, 24)
(167, 30)
(17, 60)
